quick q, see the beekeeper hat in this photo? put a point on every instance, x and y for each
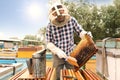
(54, 12)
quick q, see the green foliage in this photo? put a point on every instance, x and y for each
(42, 31)
(102, 22)
(30, 37)
(30, 40)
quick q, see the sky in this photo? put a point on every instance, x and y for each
(102, 2)
(22, 17)
(25, 17)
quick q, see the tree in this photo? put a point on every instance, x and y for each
(111, 19)
(41, 34)
(30, 37)
(102, 22)
(87, 15)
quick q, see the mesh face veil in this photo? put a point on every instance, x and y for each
(58, 10)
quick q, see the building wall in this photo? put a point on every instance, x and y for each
(8, 45)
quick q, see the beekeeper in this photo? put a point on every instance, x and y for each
(60, 36)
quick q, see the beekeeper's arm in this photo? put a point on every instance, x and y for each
(56, 51)
(49, 43)
(79, 30)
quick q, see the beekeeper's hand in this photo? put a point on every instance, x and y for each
(56, 51)
(83, 33)
(61, 54)
(90, 34)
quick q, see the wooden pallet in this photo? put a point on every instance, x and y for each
(24, 75)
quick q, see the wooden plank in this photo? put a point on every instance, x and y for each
(95, 75)
(90, 75)
(49, 75)
(80, 75)
(26, 75)
(70, 74)
(87, 77)
(73, 73)
(53, 75)
(16, 76)
(64, 73)
(61, 75)
(47, 71)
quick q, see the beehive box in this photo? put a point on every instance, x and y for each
(108, 58)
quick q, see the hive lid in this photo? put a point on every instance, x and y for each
(39, 53)
(110, 43)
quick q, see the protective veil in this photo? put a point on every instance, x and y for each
(57, 10)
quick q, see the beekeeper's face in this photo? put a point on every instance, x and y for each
(58, 13)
